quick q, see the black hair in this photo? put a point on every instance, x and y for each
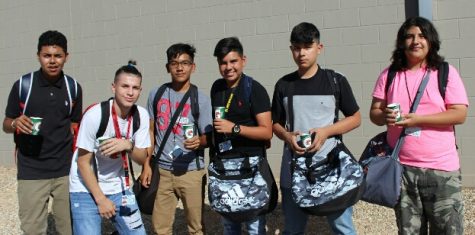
(227, 45)
(433, 59)
(53, 38)
(178, 49)
(129, 68)
(305, 33)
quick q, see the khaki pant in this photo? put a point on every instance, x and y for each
(188, 187)
(33, 197)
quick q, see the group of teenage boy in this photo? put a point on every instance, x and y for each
(95, 184)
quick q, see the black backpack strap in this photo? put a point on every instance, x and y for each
(290, 105)
(25, 85)
(195, 105)
(136, 119)
(443, 78)
(105, 113)
(173, 121)
(247, 88)
(335, 85)
(391, 74)
(72, 87)
(195, 112)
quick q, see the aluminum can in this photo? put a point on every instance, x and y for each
(102, 139)
(189, 130)
(306, 139)
(36, 125)
(396, 107)
(219, 112)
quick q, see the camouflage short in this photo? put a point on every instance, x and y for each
(431, 200)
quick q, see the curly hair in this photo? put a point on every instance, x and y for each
(433, 59)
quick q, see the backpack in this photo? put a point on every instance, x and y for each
(25, 85)
(241, 187)
(442, 78)
(324, 186)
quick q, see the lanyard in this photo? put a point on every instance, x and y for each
(229, 102)
(125, 164)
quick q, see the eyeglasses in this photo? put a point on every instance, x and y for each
(184, 63)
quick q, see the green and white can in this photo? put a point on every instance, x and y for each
(397, 108)
(36, 125)
(219, 112)
(306, 139)
(189, 130)
(102, 139)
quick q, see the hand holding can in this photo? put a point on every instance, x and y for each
(396, 107)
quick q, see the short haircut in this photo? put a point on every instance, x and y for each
(178, 49)
(304, 33)
(53, 38)
(227, 45)
(433, 59)
(129, 68)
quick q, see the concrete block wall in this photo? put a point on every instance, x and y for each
(358, 37)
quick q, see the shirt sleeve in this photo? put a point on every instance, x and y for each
(151, 96)
(278, 111)
(259, 98)
(88, 129)
(379, 90)
(348, 104)
(205, 122)
(455, 92)
(142, 135)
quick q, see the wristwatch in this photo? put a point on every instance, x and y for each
(236, 130)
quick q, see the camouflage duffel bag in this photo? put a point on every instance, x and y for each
(327, 185)
(240, 188)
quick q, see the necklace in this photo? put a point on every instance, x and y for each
(407, 86)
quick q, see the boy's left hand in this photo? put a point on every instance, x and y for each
(113, 146)
(223, 126)
(192, 143)
(321, 136)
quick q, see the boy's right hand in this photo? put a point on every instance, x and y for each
(24, 124)
(106, 208)
(146, 175)
(291, 140)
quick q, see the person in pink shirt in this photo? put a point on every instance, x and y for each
(431, 195)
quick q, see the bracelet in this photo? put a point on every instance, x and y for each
(13, 124)
(133, 145)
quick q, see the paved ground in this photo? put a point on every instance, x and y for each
(368, 219)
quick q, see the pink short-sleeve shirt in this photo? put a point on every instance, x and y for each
(424, 147)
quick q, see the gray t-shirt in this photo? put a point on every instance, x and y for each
(313, 107)
(187, 160)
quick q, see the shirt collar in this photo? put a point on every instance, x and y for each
(45, 82)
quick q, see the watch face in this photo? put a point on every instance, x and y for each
(236, 129)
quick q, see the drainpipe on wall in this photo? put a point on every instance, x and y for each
(421, 8)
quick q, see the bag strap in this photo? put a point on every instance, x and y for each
(420, 92)
(173, 120)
